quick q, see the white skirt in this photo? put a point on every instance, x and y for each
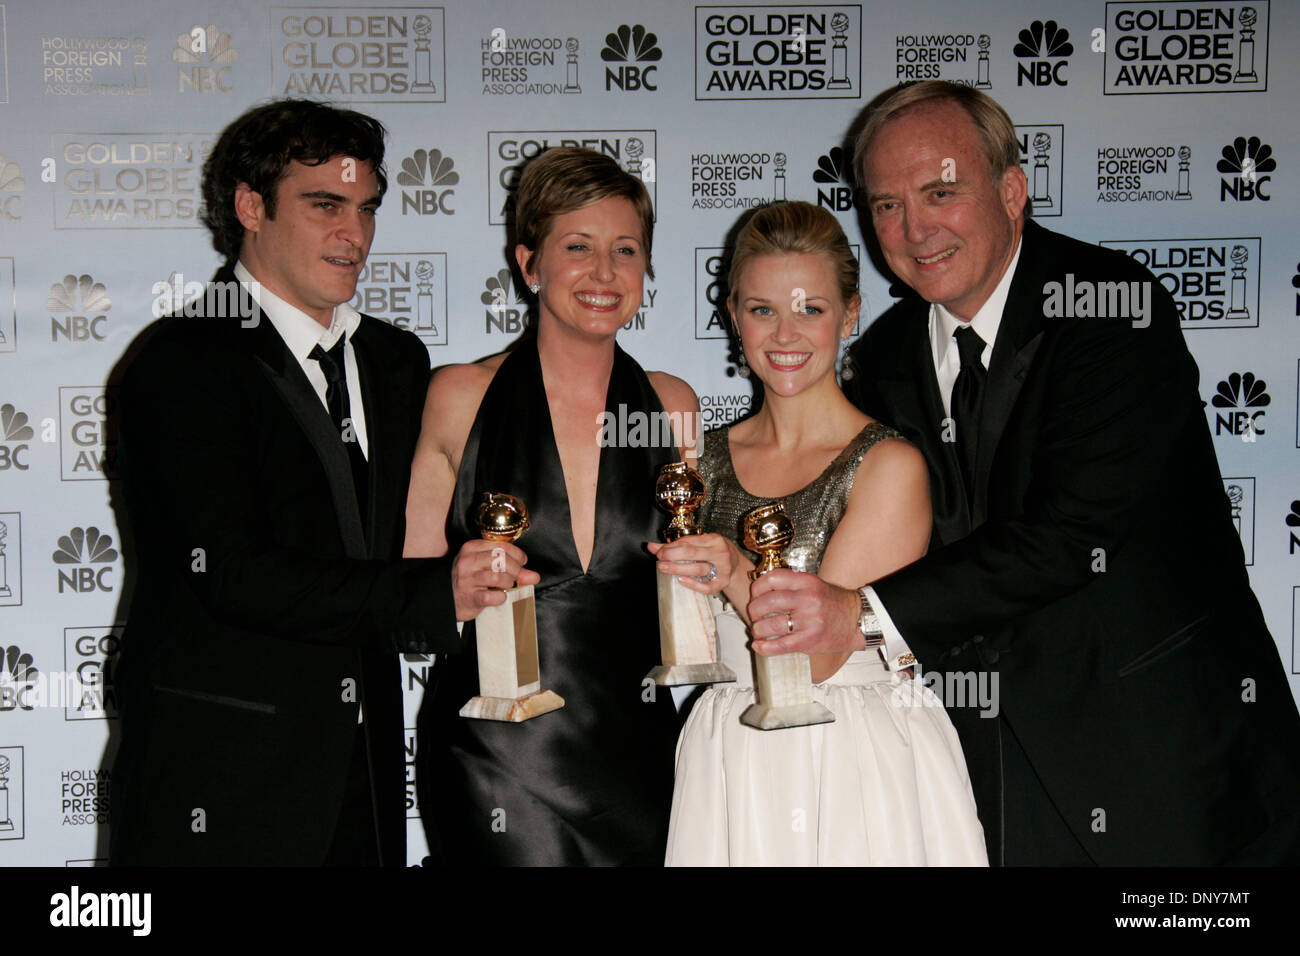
(885, 784)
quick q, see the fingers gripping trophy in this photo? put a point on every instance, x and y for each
(509, 676)
(784, 680)
(688, 635)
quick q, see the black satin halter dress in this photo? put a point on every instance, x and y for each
(590, 783)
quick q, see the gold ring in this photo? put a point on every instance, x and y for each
(789, 623)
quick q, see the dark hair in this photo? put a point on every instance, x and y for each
(566, 178)
(258, 147)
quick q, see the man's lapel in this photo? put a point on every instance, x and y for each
(911, 386)
(1019, 335)
(272, 357)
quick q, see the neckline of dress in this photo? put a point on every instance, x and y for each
(853, 443)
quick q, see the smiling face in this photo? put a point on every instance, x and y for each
(951, 241)
(311, 253)
(591, 267)
(791, 340)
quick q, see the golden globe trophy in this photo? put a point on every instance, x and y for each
(688, 635)
(509, 680)
(784, 680)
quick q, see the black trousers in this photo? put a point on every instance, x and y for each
(355, 842)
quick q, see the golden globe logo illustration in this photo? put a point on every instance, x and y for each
(408, 290)
(429, 174)
(12, 803)
(780, 52)
(12, 186)
(126, 180)
(363, 54)
(1038, 45)
(631, 46)
(1214, 282)
(635, 150)
(88, 432)
(76, 551)
(90, 657)
(1166, 47)
(1241, 506)
(1041, 149)
(11, 562)
(84, 304)
(204, 55)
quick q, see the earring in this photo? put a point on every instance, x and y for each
(847, 371)
(534, 287)
(742, 367)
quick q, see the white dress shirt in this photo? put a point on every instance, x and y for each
(947, 363)
(302, 333)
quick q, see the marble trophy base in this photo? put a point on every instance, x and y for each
(784, 694)
(509, 682)
(688, 638)
(514, 710)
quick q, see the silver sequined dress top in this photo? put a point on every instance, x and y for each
(815, 509)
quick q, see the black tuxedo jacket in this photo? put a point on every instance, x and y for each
(1096, 572)
(264, 615)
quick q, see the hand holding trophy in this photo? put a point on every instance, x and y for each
(784, 680)
(688, 636)
(509, 679)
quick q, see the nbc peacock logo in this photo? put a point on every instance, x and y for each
(1243, 398)
(18, 677)
(204, 55)
(637, 52)
(1245, 163)
(84, 305)
(15, 433)
(76, 554)
(505, 311)
(427, 178)
(1040, 44)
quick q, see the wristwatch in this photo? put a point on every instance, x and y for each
(869, 622)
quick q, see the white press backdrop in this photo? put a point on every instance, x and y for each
(1166, 128)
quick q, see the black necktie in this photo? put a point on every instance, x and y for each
(336, 397)
(966, 394)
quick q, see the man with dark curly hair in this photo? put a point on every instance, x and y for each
(266, 438)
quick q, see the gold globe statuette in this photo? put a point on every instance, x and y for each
(509, 676)
(784, 681)
(688, 633)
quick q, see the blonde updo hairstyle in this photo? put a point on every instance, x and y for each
(794, 227)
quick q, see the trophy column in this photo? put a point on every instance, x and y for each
(688, 635)
(509, 678)
(784, 680)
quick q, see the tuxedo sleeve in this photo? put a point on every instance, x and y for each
(191, 444)
(1119, 400)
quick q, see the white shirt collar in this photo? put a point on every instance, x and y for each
(986, 320)
(301, 333)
